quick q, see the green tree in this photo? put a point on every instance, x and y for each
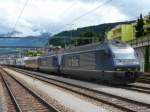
(86, 37)
(147, 60)
(58, 41)
(140, 27)
(148, 18)
(34, 53)
(148, 23)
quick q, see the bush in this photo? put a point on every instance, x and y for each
(147, 67)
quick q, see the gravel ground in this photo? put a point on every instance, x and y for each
(141, 84)
(66, 99)
(1, 110)
(2, 98)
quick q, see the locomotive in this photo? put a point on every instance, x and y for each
(113, 62)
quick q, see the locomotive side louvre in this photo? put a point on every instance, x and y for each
(79, 61)
(83, 56)
(91, 63)
(92, 60)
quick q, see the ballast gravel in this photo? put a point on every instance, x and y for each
(69, 101)
(132, 95)
(3, 107)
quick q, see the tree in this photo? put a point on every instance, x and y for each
(58, 41)
(34, 53)
(140, 27)
(147, 61)
(148, 18)
(148, 23)
(87, 36)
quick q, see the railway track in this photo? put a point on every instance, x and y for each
(132, 87)
(137, 88)
(144, 79)
(10, 105)
(21, 98)
(113, 100)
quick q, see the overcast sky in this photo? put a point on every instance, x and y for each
(52, 15)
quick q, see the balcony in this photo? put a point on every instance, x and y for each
(116, 35)
(140, 42)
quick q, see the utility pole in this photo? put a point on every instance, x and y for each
(92, 34)
(147, 63)
(71, 34)
(65, 43)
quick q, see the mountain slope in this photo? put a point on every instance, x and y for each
(99, 29)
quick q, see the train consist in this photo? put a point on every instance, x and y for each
(113, 62)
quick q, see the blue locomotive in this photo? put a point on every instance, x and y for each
(113, 62)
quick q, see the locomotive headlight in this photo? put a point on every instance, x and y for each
(119, 62)
(126, 61)
(135, 61)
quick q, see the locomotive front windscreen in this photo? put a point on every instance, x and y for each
(124, 55)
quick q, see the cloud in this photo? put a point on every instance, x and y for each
(52, 15)
(132, 8)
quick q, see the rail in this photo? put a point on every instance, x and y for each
(98, 95)
(17, 107)
(16, 103)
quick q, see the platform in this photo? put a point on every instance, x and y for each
(1, 98)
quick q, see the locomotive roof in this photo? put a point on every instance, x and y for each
(118, 43)
(30, 58)
(97, 46)
(84, 47)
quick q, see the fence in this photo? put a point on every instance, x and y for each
(140, 42)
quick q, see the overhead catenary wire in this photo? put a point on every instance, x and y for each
(20, 14)
(68, 8)
(85, 14)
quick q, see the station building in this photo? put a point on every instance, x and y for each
(123, 32)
